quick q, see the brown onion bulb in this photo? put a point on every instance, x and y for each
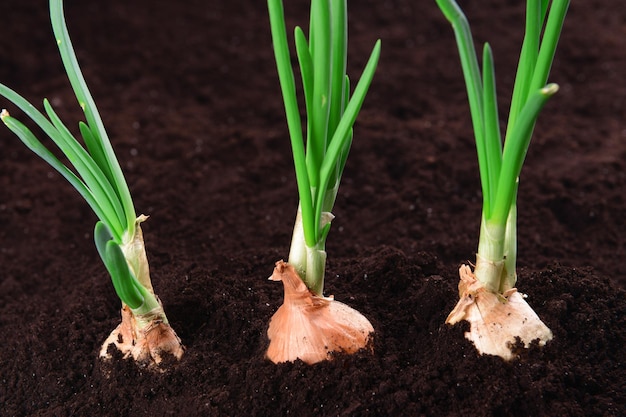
(309, 327)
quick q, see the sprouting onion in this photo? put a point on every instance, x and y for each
(331, 113)
(497, 312)
(144, 332)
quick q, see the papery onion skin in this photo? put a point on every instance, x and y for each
(497, 320)
(309, 327)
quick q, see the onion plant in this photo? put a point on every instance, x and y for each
(319, 163)
(489, 300)
(93, 170)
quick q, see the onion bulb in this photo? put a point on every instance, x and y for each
(496, 320)
(311, 327)
(146, 338)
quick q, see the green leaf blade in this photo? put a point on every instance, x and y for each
(288, 89)
(88, 105)
(527, 59)
(515, 149)
(343, 133)
(547, 49)
(87, 168)
(125, 284)
(306, 67)
(318, 117)
(94, 147)
(473, 84)
(338, 62)
(493, 140)
(28, 138)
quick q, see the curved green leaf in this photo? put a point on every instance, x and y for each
(28, 138)
(88, 105)
(125, 284)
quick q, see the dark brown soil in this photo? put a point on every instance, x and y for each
(189, 93)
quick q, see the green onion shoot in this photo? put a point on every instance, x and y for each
(497, 313)
(309, 326)
(93, 170)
